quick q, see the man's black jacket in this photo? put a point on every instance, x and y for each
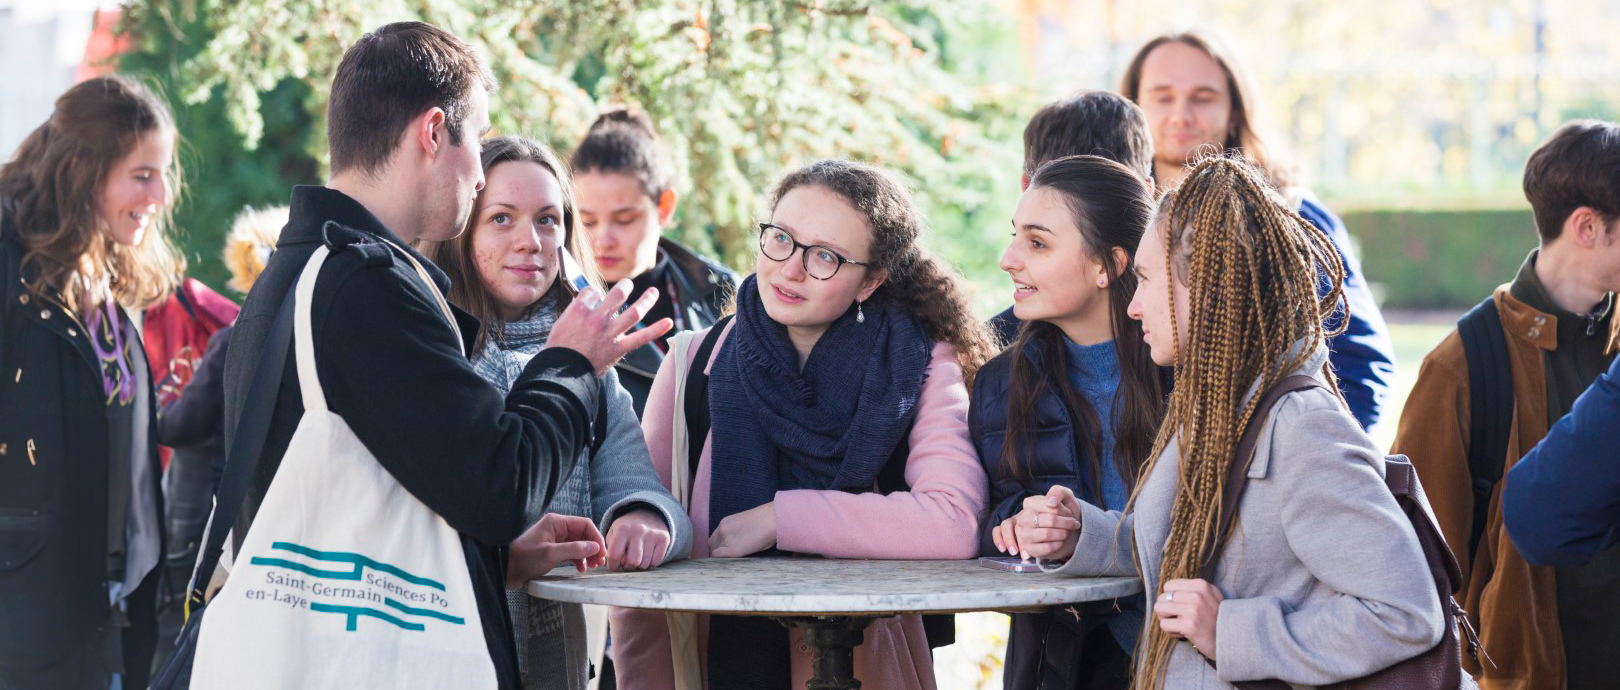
(392, 369)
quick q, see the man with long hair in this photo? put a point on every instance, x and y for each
(1198, 97)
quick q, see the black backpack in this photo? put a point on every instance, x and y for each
(1490, 406)
(939, 629)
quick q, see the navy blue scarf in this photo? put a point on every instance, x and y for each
(832, 425)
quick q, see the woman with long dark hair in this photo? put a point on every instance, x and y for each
(1321, 578)
(1074, 401)
(84, 206)
(626, 188)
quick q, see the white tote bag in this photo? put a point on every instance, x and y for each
(345, 580)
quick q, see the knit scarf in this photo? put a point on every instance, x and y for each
(830, 426)
(502, 359)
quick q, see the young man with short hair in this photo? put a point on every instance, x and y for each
(408, 106)
(1554, 331)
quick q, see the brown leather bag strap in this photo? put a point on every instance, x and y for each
(1237, 477)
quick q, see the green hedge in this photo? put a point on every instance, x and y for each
(1440, 259)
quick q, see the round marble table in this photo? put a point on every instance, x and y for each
(832, 600)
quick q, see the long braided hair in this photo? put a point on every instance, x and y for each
(1260, 280)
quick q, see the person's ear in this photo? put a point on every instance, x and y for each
(874, 280)
(1023, 182)
(428, 131)
(1121, 260)
(666, 206)
(1152, 187)
(1586, 226)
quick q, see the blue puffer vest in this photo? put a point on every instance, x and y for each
(1053, 442)
(1048, 649)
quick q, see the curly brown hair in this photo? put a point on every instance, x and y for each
(918, 282)
(49, 191)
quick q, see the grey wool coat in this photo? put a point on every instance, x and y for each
(1324, 580)
(615, 478)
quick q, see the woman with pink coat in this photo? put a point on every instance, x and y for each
(840, 391)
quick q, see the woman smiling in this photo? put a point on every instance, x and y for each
(504, 270)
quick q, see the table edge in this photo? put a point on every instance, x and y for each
(568, 591)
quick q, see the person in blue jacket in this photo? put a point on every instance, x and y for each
(1198, 97)
(1561, 503)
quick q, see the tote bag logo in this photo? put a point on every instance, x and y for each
(325, 595)
(317, 581)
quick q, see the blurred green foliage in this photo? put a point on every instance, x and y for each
(1446, 260)
(741, 90)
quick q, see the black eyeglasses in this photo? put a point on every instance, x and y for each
(820, 261)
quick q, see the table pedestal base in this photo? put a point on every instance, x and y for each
(834, 639)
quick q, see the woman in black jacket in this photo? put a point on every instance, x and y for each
(1074, 400)
(83, 216)
(624, 184)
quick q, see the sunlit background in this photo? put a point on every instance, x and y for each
(1410, 118)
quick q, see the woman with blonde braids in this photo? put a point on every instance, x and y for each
(1322, 579)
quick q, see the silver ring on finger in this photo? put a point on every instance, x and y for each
(1170, 597)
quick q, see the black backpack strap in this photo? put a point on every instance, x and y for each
(185, 302)
(1490, 406)
(697, 397)
(242, 460)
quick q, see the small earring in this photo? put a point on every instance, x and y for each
(860, 314)
(1102, 283)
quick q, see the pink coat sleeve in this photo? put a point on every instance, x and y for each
(937, 519)
(641, 648)
(658, 417)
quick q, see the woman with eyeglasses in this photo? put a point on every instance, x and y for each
(840, 383)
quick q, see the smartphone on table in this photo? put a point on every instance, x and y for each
(1011, 564)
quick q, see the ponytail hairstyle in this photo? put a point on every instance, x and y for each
(918, 282)
(1253, 268)
(50, 189)
(455, 256)
(1111, 206)
(623, 141)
